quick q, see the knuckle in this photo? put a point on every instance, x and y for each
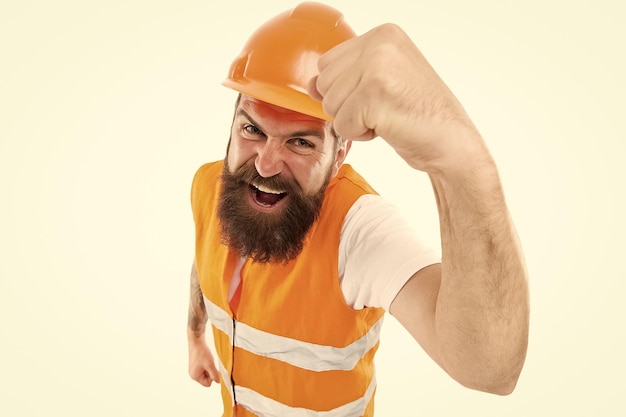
(330, 108)
(389, 29)
(322, 84)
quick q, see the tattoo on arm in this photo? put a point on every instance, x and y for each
(197, 312)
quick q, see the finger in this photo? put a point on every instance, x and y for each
(351, 120)
(343, 86)
(337, 74)
(346, 50)
(312, 89)
(205, 374)
(213, 373)
(203, 379)
(336, 62)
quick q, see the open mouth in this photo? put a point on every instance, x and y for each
(265, 196)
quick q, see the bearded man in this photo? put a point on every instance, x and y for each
(298, 259)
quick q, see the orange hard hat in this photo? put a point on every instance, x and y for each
(280, 58)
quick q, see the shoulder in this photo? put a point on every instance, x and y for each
(371, 221)
(372, 211)
(349, 178)
(210, 170)
(205, 184)
(344, 190)
(379, 252)
(208, 174)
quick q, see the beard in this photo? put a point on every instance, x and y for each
(276, 237)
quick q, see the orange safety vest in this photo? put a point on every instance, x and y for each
(294, 347)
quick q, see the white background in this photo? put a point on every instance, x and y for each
(107, 108)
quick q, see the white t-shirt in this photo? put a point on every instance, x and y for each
(378, 253)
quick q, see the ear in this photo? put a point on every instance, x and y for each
(342, 152)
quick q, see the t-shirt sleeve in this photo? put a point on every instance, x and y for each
(378, 253)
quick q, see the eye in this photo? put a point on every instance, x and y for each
(252, 130)
(302, 143)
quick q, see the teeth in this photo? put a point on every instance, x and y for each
(266, 189)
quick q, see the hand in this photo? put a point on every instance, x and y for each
(201, 364)
(379, 84)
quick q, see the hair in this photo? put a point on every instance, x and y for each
(339, 141)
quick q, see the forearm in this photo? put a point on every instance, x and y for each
(201, 365)
(482, 309)
(197, 318)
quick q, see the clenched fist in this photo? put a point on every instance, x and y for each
(380, 84)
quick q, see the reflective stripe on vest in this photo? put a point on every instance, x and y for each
(266, 407)
(294, 352)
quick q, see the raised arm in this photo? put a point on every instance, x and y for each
(201, 363)
(471, 312)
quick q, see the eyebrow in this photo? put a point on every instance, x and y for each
(301, 133)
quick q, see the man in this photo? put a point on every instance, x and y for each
(297, 258)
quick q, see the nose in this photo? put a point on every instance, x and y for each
(269, 160)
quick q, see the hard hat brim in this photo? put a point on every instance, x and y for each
(284, 97)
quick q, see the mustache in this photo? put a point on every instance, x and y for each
(248, 174)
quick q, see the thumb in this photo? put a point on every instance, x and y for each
(213, 373)
(312, 89)
(367, 135)
(350, 127)
(208, 377)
